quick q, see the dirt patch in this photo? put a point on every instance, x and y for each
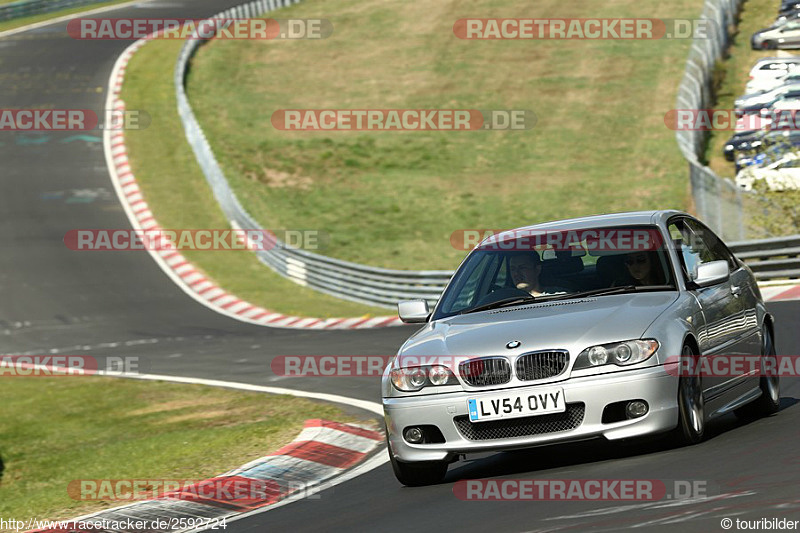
(280, 180)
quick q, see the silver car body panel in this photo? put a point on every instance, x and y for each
(717, 320)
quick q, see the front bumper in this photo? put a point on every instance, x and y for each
(654, 385)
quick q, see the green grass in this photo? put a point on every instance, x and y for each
(55, 430)
(24, 21)
(178, 195)
(393, 199)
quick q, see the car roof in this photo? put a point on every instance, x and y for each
(765, 60)
(603, 220)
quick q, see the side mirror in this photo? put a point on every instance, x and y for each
(712, 273)
(413, 311)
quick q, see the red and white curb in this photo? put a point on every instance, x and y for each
(777, 293)
(174, 264)
(323, 451)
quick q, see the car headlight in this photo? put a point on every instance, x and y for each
(617, 353)
(416, 378)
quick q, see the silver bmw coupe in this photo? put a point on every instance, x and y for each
(574, 330)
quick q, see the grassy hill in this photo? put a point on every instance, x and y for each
(392, 199)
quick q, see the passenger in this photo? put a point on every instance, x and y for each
(640, 267)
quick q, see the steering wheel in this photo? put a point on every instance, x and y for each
(503, 294)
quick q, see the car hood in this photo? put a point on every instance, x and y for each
(567, 324)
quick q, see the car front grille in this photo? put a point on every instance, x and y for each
(541, 365)
(486, 371)
(521, 427)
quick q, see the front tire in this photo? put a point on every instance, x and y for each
(770, 400)
(691, 407)
(418, 474)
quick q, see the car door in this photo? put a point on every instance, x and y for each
(743, 288)
(790, 34)
(721, 306)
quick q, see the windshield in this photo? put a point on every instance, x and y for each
(515, 268)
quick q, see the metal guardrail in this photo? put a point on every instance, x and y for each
(718, 201)
(360, 283)
(27, 8)
(770, 259)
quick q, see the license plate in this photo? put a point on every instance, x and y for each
(499, 406)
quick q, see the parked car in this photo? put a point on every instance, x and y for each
(589, 357)
(771, 67)
(781, 36)
(739, 142)
(761, 85)
(767, 109)
(748, 102)
(786, 16)
(787, 103)
(788, 6)
(763, 157)
(781, 175)
(760, 140)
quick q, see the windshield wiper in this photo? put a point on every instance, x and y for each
(610, 290)
(499, 303)
(597, 292)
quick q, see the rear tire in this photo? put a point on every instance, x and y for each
(768, 45)
(770, 400)
(418, 474)
(691, 407)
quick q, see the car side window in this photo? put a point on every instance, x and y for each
(718, 250)
(696, 245)
(686, 245)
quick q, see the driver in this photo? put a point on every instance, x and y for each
(525, 270)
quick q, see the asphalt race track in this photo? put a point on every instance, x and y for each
(53, 300)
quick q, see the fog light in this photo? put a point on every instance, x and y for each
(413, 435)
(635, 409)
